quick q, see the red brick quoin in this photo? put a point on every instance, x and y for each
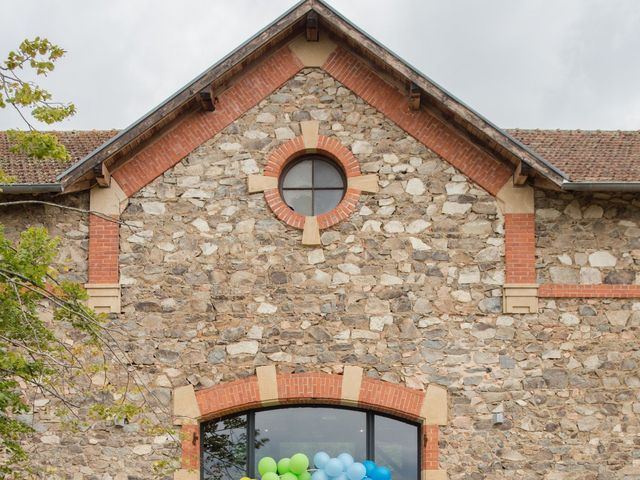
(305, 388)
(295, 148)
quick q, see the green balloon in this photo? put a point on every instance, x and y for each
(304, 476)
(283, 466)
(299, 463)
(267, 465)
(288, 476)
(270, 476)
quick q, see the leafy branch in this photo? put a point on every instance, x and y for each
(37, 56)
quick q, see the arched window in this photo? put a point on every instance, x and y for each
(232, 446)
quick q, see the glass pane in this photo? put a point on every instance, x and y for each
(299, 200)
(325, 200)
(224, 449)
(326, 175)
(298, 176)
(281, 433)
(396, 446)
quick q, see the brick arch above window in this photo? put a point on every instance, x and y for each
(268, 388)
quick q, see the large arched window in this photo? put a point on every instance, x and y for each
(232, 446)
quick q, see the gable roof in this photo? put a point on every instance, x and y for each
(511, 147)
(286, 26)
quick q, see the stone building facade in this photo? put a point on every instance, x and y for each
(469, 294)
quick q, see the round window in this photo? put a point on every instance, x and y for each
(312, 185)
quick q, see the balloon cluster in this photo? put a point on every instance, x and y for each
(294, 468)
(343, 467)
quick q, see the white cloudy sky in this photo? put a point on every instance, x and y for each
(520, 63)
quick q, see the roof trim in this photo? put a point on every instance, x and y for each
(479, 125)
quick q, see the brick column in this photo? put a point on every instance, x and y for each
(520, 247)
(104, 249)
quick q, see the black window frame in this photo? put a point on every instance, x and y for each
(313, 158)
(369, 434)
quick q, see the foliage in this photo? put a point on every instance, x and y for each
(36, 57)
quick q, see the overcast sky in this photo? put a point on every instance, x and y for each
(520, 63)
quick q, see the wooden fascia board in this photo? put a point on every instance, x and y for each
(271, 33)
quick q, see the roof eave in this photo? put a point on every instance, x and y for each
(601, 186)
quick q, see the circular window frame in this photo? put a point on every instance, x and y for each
(313, 157)
(292, 150)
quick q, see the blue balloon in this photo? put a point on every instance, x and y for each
(320, 459)
(356, 471)
(341, 476)
(319, 475)
(381, 473)
(370, 465)
(334, 467)
(346, 459)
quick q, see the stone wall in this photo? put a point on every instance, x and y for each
(69, 226)
(408, 288)
(588, 238)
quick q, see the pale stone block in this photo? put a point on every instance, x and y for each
(366, 183)
(312, 54)
(311, 232)
(512, 199)
(351, 382)
(185, 405)
(108, 201)
(184, 474)
(260, 183)
(310, 133)
(104, 297)
(434, 475)
(520, 298)
(267, 383)
(434, 407)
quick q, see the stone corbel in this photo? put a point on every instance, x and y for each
(110, 201)
(520, 298)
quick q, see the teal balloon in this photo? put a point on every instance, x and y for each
(270, 476)
(299, 463)
(267, 465)
(381, 473)
(370, 465)
(283, 466)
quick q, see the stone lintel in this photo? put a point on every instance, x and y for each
(434, 475)
(260, 183)
(267, 384)
(515, 199)
(185, 406)
(366, 183)
(312, 54)
(108, 201)
(311, 232)
(520, 298)
(104, 297)
(184, 474)
(434, 407)
(351, 383)
(309, 130)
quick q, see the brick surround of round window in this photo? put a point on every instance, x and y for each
(295, 148)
